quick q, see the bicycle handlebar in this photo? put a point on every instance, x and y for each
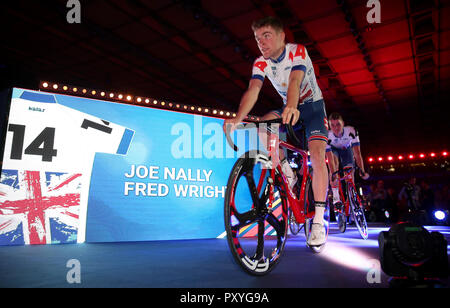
(356, 168)
(289, 129)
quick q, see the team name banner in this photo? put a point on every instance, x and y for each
(77, 169)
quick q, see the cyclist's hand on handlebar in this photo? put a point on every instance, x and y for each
(290, 115)
(232, 123)
(364, 175)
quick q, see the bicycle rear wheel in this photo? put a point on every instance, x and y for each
(255, 214)
(358, 212)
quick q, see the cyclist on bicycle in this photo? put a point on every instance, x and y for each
(290, 70)
(343, 149)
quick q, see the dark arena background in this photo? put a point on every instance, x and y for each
(115, 166)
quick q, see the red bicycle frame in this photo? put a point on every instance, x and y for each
(348, 178)
(296, 204)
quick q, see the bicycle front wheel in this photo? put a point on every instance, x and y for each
(255, 214)
(358, 212)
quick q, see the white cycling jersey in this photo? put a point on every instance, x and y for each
(348, 139)
(294, 57)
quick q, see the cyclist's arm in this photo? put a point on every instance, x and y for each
(358, 158)
(293, 96)
(293, 92)
(249, 99)
(331, 161)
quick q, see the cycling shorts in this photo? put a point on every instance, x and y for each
(314, 118)
(345, 156)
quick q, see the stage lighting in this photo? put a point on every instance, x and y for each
(440, 215)
(58, 88)
(413, 256)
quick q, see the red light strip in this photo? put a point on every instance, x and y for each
(400, 157)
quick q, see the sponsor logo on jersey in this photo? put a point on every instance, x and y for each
(261, 65)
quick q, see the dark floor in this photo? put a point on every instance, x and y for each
(194, 264)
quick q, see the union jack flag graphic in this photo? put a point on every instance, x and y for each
(38, 207)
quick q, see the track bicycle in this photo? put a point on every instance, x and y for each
(258, 201)
(351, 203)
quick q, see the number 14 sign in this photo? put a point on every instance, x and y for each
(48, 159)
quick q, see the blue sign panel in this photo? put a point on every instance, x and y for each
(77, 169)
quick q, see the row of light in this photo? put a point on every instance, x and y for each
(391, 158)
(140, 100)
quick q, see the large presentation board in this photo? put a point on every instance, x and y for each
(77, 169)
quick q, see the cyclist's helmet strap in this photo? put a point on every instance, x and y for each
(320, 204)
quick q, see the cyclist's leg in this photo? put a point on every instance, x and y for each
(314, 116)
(320, 185)
(320, 176)
(335, 184)
(287, 170)
(263, 135)
(347, 160)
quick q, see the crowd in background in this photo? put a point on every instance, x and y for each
(414, 198)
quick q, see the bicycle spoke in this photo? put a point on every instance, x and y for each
(260, 248)
(243, 219)
(252, 187)
(276, 224)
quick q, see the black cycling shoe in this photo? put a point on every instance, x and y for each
(338, 207)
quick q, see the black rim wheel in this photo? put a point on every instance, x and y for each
(358, 213)
(256, 229)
